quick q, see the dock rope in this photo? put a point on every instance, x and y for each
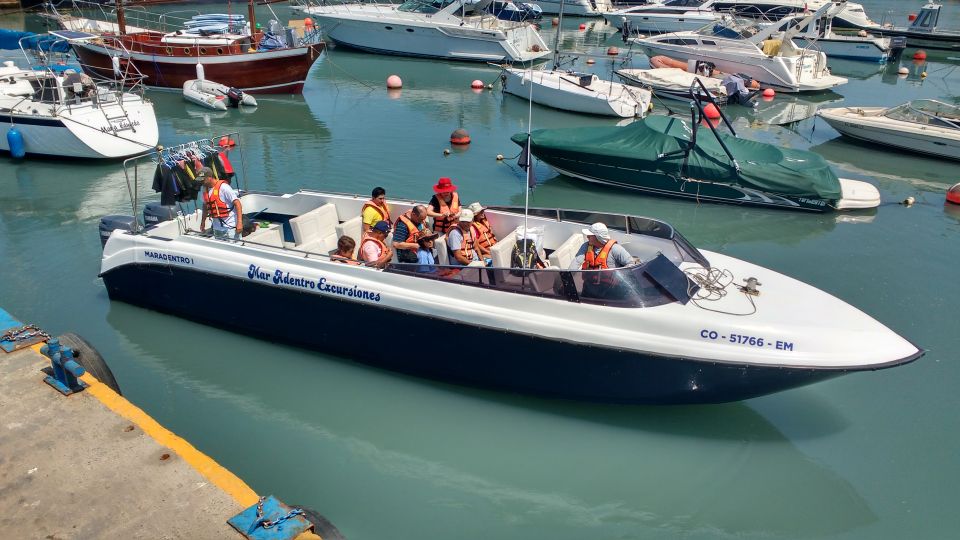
(713, 283)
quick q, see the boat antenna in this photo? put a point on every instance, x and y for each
(527, 187)
(556, 41)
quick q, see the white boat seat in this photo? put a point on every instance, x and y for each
(564, 255)
(316, 231)
(269, 236)
(501, 251)
(440, 246)
(351, 228)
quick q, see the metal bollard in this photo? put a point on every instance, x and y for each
(65, 368)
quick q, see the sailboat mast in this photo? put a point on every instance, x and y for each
(252, 17)
(556, 41)
(121, 19)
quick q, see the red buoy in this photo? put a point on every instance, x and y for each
(613, 51)
(308, 22)
(711, 111)
(912, 17)
(394, 82)
(583, 26)
(591, 61)
(460, 136)
(769, 93)
(920, 55)
(477, 84)
(953, 194)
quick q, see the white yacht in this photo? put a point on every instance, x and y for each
(445, 29)
(865, 47)
(659, 331)
(581, 8)
(670, 16)
(577, 92)
(925, 126)
(739, 46)
(850, 14)
(70, 115)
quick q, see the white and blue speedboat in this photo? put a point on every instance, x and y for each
(679, 325)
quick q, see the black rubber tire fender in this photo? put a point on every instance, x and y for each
(321, 525)
(88, 357)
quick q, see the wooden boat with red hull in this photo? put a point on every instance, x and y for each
(168, 59)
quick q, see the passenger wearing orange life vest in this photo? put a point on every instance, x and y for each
(372, 249)
(599, 252)
(460, 241)
(220, 203)
(406, 232)
(444, 206)
(481, 230)
(375, 209)
(344, 254)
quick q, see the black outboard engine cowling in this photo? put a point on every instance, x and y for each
(234, 97)
(154, 213)
(108, 224)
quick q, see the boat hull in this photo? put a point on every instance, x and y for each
(561, 91)
(522, 363)
(277, 72)
(901, 136)
(863, 51)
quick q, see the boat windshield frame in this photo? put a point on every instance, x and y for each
(425, 7)
(646, 284)
(929, 112)
(728, 27)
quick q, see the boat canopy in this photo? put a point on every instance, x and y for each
(927, 111)
(642, 145)
(12, 40)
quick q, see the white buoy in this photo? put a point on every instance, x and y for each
(200, 74)
(909, 201)
(903, 71)
(115, 61)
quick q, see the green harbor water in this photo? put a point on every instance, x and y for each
(867, 456)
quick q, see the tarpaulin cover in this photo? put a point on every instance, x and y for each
(763, 166)
(10, 40)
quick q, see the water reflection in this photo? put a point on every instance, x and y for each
(683, 469)
(888, 165)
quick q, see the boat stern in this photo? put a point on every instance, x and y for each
(857, 195)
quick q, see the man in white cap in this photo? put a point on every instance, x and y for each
(460, 240)
(599, 251)
(481, 230)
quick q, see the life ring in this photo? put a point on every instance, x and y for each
(90, 359)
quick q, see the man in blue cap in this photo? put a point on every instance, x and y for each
(372, 249)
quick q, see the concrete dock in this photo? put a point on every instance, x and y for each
(93, 465)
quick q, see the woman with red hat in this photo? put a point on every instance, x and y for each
(444, 206)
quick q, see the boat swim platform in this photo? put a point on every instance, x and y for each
(93, 465)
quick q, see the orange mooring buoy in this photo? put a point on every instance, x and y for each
(460, 136)
(768, 93)
(394, 82)
(920, 55)
(711, 111)
(477, 84)
(953, 194)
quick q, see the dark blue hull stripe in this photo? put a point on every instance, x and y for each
(507, 361)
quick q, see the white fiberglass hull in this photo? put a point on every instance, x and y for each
(868, 124)
(660, 23)
(582, 8)
(85, 131)
(388, 32)
(561, 90)
(861, 49)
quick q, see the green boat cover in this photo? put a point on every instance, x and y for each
(763, 166)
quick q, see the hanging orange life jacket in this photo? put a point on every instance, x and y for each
(598, 261)
(383, 247)
(444, 225)
(216, 208)
(413, 232)
(380, 209)
(485, 237)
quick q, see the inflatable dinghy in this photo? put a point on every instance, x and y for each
(215, 96)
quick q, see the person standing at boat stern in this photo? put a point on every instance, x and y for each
(444, 206)
(460, 241)
(221, 205)
(600, 252)
(406, 231)
(375, 209)
(372, 249)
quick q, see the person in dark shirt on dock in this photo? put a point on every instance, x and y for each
(406, 230)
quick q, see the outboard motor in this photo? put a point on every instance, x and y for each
(234, 97)
(625, 29)
(108, 224)
(155, 213)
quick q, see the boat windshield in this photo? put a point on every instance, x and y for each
(424, 6)
(730, 28)
(928, 112)
(648, 284)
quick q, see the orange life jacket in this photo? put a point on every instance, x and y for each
(598, 261)
(382, 210)
(344, 260)
(444, 225)
(216, 208)
(466, 247)
(413, 232)
(485, 237)
(383, 247)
